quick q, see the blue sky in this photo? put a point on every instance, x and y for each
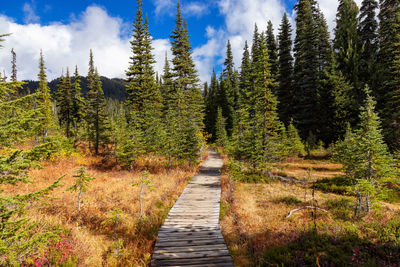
(66, 30)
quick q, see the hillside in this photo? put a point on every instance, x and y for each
(113, 88)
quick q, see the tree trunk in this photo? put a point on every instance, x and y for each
(140, 199)
(79, 200)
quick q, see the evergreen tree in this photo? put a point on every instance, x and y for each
(294, 143)
(189, 103)
(337, 103)
(144, 98)
(78, 102)
(389, 69)
(44, 101)
(322, 42)
(285, 90)
(346, 45)
(96, 116)
(365, 156)
(64, 104)
(368, 46)
(272, 50)
(211, 106)
(221, 137)
(228, 91)
(306, 70)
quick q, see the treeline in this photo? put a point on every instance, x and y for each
(159, 117)
(316, 82)
(290, 97)
(113, 88)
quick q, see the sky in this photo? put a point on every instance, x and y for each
(66, 30)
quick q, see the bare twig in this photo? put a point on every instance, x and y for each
(303, 208)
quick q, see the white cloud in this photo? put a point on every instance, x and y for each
(197, 9)
(67, 45)
(164, 6)
(30, 14)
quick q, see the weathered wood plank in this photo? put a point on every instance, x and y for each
(191, 255)
(216, 261)
(191, 236)
(190, 248)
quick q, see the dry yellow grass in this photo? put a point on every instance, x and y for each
(319, 169)
(255, 214)
(112, 189)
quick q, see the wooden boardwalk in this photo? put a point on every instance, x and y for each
(191, 235)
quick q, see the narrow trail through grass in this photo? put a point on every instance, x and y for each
(191, 232)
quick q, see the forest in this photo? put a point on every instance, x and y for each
(308, 127)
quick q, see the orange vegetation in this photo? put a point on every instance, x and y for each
(113, 188)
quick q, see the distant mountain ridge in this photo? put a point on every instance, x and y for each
(113, 88)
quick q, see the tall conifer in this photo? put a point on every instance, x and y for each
(389, 70)
(96, 116)
(44, 101)
(368, 45)
(285, 78)
(272, 49)
(144, 98)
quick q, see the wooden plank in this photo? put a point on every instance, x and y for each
(190, 248)
(191, 255)
(194, 242)
(191, 236)
(199, 262)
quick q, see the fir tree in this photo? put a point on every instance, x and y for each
(346, 45)
(365, 156)
(337, 103)
(78, 102)
(306, 70)
(228, 91)
(389, 69)
(144, 98)
(211, 102)
(96, 116)
(272, 50)
(285, 90)
(368, 45)
(189, 103)
(64, 104)
(221, 137)
(44, 101)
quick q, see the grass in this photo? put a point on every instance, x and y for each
(89, 240)
(258, 233)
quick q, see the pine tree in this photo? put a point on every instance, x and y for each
(189, 103)
(306, 68)
(294, 143)
(389, 69)
(64, 104)
(44, 101)
(228, 91)
(78, 102)
(368, 45)
(337, 103)
(264, 105)
(322, 42)
(272, 50)
(144, 97)
(365, 156)
(96, 116)
(221, 137)
(346, 45)
(211, 102)
(285, 90)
